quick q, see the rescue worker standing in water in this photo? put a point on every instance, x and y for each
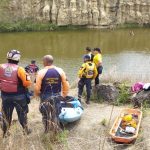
(13, 85)
(86, 73)
(98, 62)
(50, 82)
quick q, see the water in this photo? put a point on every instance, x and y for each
(121, 51)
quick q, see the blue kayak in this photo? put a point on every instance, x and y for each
(71, 111)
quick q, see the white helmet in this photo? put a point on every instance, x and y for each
(14, 55)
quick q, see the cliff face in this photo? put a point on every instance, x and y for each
(93, 13)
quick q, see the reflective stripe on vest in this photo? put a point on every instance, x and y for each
(8, 78)
(51, 83)
(89, 71)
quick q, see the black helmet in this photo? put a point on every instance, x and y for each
(86, 57)
(33, 61)
(88, 49)
(97, 49)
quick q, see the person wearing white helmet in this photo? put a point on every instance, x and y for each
(14, 55)
(13, 85)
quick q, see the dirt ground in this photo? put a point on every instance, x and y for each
(87, 133)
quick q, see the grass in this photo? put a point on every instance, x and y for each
(49, 140)
(25, 26)
(46, 140)
(104, 122)
(146, 104)
(29, 25)
(124, 95)
(133, 25)
(123, 78)
(146, 108)
(62, 137)
(112, 76)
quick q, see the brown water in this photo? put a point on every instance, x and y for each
(128, 54)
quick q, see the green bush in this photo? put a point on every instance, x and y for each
(133, 25)
(30, 25)
(25, 26)
(124, 95)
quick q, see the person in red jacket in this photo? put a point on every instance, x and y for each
(13, 85)
(32, 68)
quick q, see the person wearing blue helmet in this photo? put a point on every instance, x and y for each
(86, 73)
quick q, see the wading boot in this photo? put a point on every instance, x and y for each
(87, 102)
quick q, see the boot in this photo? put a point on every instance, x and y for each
(6, 134)
(79, 100)
(87, 102)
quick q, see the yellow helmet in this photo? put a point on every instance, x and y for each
(133, 123)
(127, 118)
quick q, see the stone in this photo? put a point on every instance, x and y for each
(139, 98)
(92, 13)
(107, 92)
(54, 13)
(63, 14)
(46, 12)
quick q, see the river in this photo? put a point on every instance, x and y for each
(121, 51)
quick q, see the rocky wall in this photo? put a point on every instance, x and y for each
(91, 13)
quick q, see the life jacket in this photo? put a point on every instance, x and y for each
(51, 83)
(32, 68)
(9, 78)
(89, 70)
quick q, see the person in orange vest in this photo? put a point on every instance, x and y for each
(14, 82)
(51, 81)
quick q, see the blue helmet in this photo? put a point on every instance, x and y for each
(87, 57)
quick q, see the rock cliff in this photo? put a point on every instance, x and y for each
(91, 13)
